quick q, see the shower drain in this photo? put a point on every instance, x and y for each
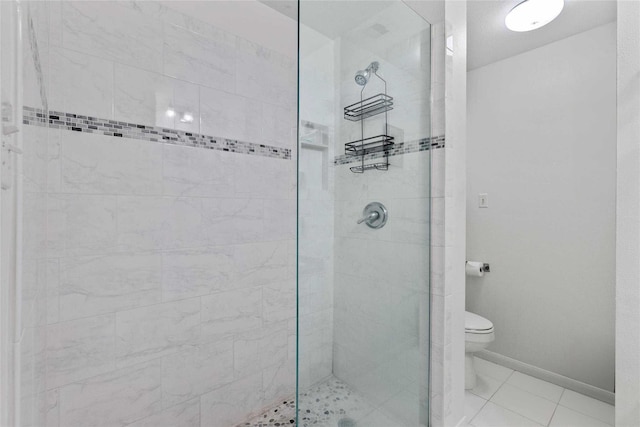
(346, 422)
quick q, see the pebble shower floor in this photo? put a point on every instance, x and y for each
(328, 404)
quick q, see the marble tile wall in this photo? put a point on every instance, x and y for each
(171, 285)
(107, 67)
(448, 189)
(316, 189)
(31, 342)
(440, 386)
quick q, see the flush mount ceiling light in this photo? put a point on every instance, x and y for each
(533, 14)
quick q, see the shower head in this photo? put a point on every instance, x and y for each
(362, 76)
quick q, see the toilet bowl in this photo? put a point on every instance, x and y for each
(478, 334)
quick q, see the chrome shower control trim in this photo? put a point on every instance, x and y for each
(374, 215)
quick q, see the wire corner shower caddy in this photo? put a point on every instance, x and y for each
(369, 107)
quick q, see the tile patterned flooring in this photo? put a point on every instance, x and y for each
(502, 398)
(507, 398)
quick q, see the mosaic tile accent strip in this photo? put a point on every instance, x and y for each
(88, 124)
(415, 146)
(323, 405)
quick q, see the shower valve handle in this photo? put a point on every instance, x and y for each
(371, 217)
(374, 215)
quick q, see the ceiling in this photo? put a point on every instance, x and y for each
(329, 17)
(489, 40)
(333, 18)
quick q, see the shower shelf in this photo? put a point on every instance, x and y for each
(358, 112)
(371, 166)
(369, 107)
(374, 144)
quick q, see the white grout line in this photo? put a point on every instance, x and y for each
(508, 378)
(561, 394)
(478, 411)
(554, 413)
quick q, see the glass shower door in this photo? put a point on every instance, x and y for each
(363, 215)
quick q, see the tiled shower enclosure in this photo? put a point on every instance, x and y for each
(185, 215)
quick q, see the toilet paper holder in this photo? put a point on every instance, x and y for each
(486, 268)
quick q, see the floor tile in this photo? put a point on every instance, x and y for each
(379, 386)
(472, 405)
(490, 369)
(378, 419)
(493, 415)
(535, 386)
(526, 404)
(404, 407)
(485, 386)
(565, 417)
(588, 406)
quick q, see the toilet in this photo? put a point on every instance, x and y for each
(478, 334)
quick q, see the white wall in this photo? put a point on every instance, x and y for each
(628, 217)
(542, 145)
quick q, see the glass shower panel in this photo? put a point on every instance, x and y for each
(363, 283)
(24, 266)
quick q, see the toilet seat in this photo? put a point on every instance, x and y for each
(472, 332)
(474, 324)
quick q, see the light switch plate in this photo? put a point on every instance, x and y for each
(483, 200)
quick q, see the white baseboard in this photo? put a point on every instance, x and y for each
(562, 381)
